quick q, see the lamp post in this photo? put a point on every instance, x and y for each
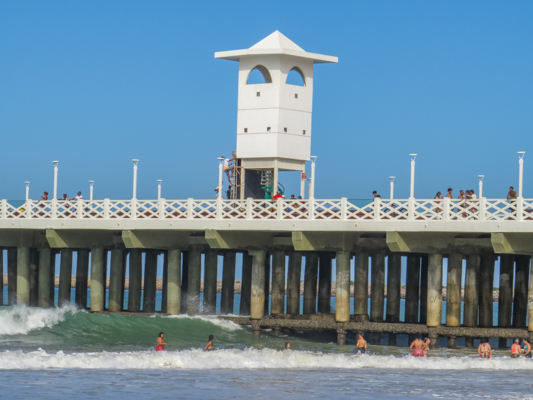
(220, 171)
(412, 191)
(159, 181)
(135, 162)
(521, 155)
(480, 178)
(27, 190)
(55, 178)
(391, 179)
(91, 188)
(312, 183)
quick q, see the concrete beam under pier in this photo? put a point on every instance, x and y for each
(434, 242)
(512, 243)
(81, 238)
(239, 240)
(160, 239)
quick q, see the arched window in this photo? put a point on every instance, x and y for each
(295, 77)
(259, 75)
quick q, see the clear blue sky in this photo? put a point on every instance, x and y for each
(94, 84)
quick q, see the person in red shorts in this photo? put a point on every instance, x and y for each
(417, 348)
(160, 342)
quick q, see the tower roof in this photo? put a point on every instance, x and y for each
(275, 43)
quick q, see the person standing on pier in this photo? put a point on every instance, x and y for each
(361, 344)
(160, 342)
(512, 194)
(484, 350)
(527, 348)
(515, 349)
(450, 195)
(417, 348)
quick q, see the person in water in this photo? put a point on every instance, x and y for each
(160, 342)
(209, 345)
(527, 349)
(361, 344)
(484, 350)
(417, 348)
(287, 346)
(427, 341)
(515, 349)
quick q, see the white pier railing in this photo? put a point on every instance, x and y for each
(280, 209)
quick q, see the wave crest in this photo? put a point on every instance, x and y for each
(20, 320)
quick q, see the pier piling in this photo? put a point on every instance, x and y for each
(434, 295)
(342, 312)
(293, 283)
(278, 282)
(361, 287)
(194, 281)
(377, 295)
(246, 284)
(165, 283)
(210, 281)
(394, 275)
(505, 296)
(424, 261)
(97, 279)
(228, 283)
(44, 278)
(135, 288)
(184, 281)
(34, 277)
(150, 279)
(412, 290)
(324, 283)
(257, 302)
(453, 294)
(486, 284)
(12, 276)
(116, 280)
(310, 283)
(174, 282)
(471, 301)
(520, 291)
(65, 275)
(23, 275)
(267, 282)
(82, 273)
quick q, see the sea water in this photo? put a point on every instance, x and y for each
(65, 352)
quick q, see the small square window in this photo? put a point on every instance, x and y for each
(284, 129)
(245, 130)
(304, 132)
(296, 95)
(258, 94)
(268, 129)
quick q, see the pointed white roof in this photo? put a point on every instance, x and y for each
(275, 43)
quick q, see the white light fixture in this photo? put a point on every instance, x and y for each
(480, 178)
(135, 162)
(91, 187)
(412, 191)
(521, 155)
(55, 178)
(391, 179)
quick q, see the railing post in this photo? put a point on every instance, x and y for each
(133, 208)
(482, 208)
(27, 208)
(190, 205)
(377, 208)
(219, 207)
(80, 209)
(344, 208)
(161, 208)
(519, 209)
(106, 208)
(4, 209)
(311, 204)
(279, 205)
(446, 209)
(54, 208)
(411, 209)
(249, 208)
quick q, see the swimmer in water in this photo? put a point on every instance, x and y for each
(527, 349)
(361, 344)
(484, 350)
(209, 345)
(515, 349)
(427, 341)
(160, 342)
(417, 348)
(287, 346)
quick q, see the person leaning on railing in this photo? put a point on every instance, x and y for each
(512, 194)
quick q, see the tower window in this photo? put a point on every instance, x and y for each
(258, 75)
(258, 94)
(304, 132)
(245, 130)
(285, 129)
(268, 128)
(295, 77)
(296, 95)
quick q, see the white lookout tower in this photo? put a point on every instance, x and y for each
(274, 117)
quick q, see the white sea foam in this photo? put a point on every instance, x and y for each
(222, 323)
(246, 359)
(22, 320)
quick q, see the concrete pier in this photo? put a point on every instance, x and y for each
(165, 282)
(257, 303)
(278, 282)
(434, 295)
(184, 281)
(246, 284)
(210, 281)
(97, 279)
(412, 289)
(505, 299)
(194, 279)
(135, 288)
(424, 261)
(394, 276)
(116, 280)
(267, 282)
(45, 255)
(310, 283)
(23, 275)
(377, 294)
(293, 283)
(361, 287)
(520, 291)
(125, 260)
(470, 318)
(486, 284)
(324, 283)
(342, 311)
(34, 277)
(228, 283)
(65, 274)
(82, 274)
(453, 294)
(150, 277)
(174, 282)
(11, 276)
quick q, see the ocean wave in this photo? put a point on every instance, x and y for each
(20, 320)
(246, 359)
(222, 323)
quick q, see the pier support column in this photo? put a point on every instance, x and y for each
(257, 301)
(310, 283)
(424, 288)
(486, 302)
(65, 277)
(82, 273)
(505, 297)
(174, 282)
(324, 283)
(165, 282)
(278, 282)
(116, 280)
(23, 275)
(530, 304)
(453, 294)
(412, 290)
(520, 291)
(44, 278)
(53, 277)
(293, 283)
(341, 334)
(342, 309)
(361, 287)
(377, 293)
(471, 294)
(267, 282)
(246, 284)
(150, 280)
(184, 281)
(228, 283)
(210, 282)
(124, 270)
(394, 276)
(34, 277)
(97, 279)
(434, 295)
(194, 278)
(11, 276)
(135, 289)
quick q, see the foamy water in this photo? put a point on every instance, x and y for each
(22, 319)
